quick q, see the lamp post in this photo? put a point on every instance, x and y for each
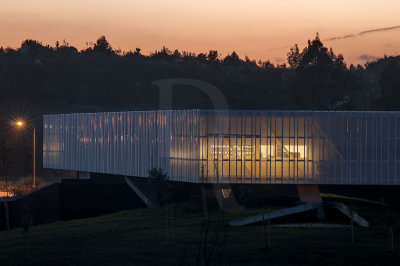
(20, 124)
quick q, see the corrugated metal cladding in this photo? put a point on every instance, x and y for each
(124, 143)
(230, 146)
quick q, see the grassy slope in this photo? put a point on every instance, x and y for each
(138, 237)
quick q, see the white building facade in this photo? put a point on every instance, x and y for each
(230, 146)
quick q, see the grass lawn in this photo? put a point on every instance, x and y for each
(139, 237)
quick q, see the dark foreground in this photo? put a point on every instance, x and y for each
(140, 237)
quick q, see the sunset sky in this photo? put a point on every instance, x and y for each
(260, 29)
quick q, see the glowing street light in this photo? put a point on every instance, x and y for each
(20, 124)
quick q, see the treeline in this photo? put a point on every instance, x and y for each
(102, 78)
(38, 79)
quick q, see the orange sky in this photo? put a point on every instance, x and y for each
(260, 29)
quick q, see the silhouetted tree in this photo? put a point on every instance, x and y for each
(102, 46)
(322, 80)
(177, 54)
(202, 58)
(65, 49)
(31, 45)
(164, 54)
(315, 54)
(294, 57)
(159, 179)
(265, 64)
(212, 56)
(390, 87)
(232, 59)
(137, 52)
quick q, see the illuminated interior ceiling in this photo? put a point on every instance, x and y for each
(251, 146)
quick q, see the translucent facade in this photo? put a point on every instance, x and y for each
(124, 143)
(230, 146)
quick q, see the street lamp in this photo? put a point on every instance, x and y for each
(21, 124)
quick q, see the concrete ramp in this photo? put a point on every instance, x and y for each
(146, 194)
(275, 214)
(302, 208)
(349, 213)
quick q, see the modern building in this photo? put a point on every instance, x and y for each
(230, 146)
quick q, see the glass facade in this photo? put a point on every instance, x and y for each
(230, 146)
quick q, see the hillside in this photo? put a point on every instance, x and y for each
(139, 237)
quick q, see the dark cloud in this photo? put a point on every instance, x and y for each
(349, 36)
(333, 39)
(367, 57)
(381, 29)
(280, 48)
(340, 37)
(362, 33)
